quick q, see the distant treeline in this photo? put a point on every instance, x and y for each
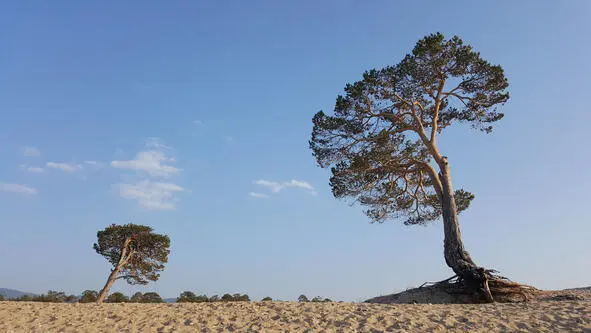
(51, 296)
(91, 296)
(88, 296)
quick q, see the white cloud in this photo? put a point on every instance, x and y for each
(18, 188)
(155, 143)
(228, 138)
(95, 164)
(151, 162)
(151, 195)
(258, 195)
(30, 151)
(66, 167)
(276, 187)
(298, 183)
(32, 169)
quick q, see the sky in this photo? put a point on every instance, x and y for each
(193, 117)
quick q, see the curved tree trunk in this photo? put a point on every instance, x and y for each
(455, 254)
(123, 258)
(110, 281)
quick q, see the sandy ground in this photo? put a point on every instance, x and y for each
(554, 316)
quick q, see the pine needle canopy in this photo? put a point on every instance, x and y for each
(145, 252)
(381, 140)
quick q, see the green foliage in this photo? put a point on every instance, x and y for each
(89, 296)
(267, 299)
(136, 298)
(1, 298)
(381, 140)
(51, 297)
(151, 297)
(117, 297)
(235, 298)
(190, 297)
(319, 299)
(54, 297)
(24, 298)
(146, 252)
(303, 298)
(71, 298)
(214, 298)
(186, 296)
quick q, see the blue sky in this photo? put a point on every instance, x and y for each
(193, 117)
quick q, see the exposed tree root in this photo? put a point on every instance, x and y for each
(486, 286)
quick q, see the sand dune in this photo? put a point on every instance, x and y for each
(563, 316)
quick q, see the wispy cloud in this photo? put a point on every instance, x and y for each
(151, 195)
(197, 122)
(30, 151)
(95, 164)
(150, 163)
(153, 161)
(276, 187)
(65, 167)
(155, 143)
(31, 168)
(18, 188)
(298, 183)
(258, 195)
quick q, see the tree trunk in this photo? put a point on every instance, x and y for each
(455, 254)
(110, 281)
(113, 276)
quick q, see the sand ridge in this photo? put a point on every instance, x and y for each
(564, 316)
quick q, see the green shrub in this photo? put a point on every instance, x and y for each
(89, 296)
(117, 298)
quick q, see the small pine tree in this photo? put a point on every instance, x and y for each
(89, 296)
(137, 254)
(136, 298)
(303, 298)
(54, 297)
(117, 297)
(201, 299)
(151, 297)
(186, 297)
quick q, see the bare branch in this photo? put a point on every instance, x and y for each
(436, 113)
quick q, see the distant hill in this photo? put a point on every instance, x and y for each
(169, 300)
(12, 293)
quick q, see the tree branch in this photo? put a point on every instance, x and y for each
(436, 113)
(435, 178)
(420, 130)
